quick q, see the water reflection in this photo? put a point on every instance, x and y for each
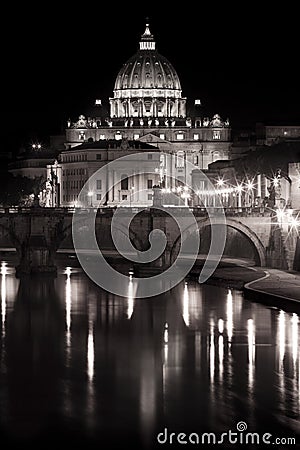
(3, 295)
(212, 352)
(294, 321)
(130, 299)
(68, 309)
(196, 358)
(229, 316)
(185, 306)
(251, 353)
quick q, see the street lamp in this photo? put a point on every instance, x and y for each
(36, 146)
(90, 194)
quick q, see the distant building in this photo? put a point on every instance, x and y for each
(130, 182)
(294, 175)
(270, 134)
(32, 163)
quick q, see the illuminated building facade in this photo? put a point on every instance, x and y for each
(147, 107)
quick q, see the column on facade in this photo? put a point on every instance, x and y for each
(266, 191)
(110, 186)
(155, 114)
(129, 109)
(258, 188)
(137, 186)
(239, 198)
(152, 107)
(140, 108)
(176, 107)
(172, 181)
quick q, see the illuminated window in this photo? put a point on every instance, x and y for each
(197, 102)
(149, 184)
(136, 136)
(196, 137)
(102, 137)
(180, 159)
(216, 134)
(118, 136)
(98, 102)
(81, 136)
(162, 136)
(99, 184)
(179, 136)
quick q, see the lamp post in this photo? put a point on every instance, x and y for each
(90, 194)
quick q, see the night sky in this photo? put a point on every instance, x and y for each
(241, 62)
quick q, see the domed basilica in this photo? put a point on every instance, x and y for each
(147, 112)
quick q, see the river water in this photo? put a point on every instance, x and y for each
(79, 365)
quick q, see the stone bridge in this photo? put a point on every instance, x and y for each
(37, 233)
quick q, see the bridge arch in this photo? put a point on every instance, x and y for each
(232, 223)
(14, 240)
(136, 241)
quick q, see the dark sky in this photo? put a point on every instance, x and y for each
(241, 62)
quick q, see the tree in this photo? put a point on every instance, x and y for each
(16, 190)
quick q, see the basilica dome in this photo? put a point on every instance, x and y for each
(147, 85)
(147, 69)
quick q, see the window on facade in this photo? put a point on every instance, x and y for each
(102, 137)
(196, 137)
(98, 196)
(136, 136)
(81, 136)
(98, 156)
(179, 136)
(216, 134)
(124, 197)
(162, 136)
(118, 136)
(148, 106)
(150, 156)
(216, 156)
(196, 160)
(149, 184)
(124, 182)
(180, 159)
(99, 184)
(150, 196)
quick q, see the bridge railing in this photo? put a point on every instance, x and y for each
(197, 211)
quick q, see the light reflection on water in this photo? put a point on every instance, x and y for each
(199, 358)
